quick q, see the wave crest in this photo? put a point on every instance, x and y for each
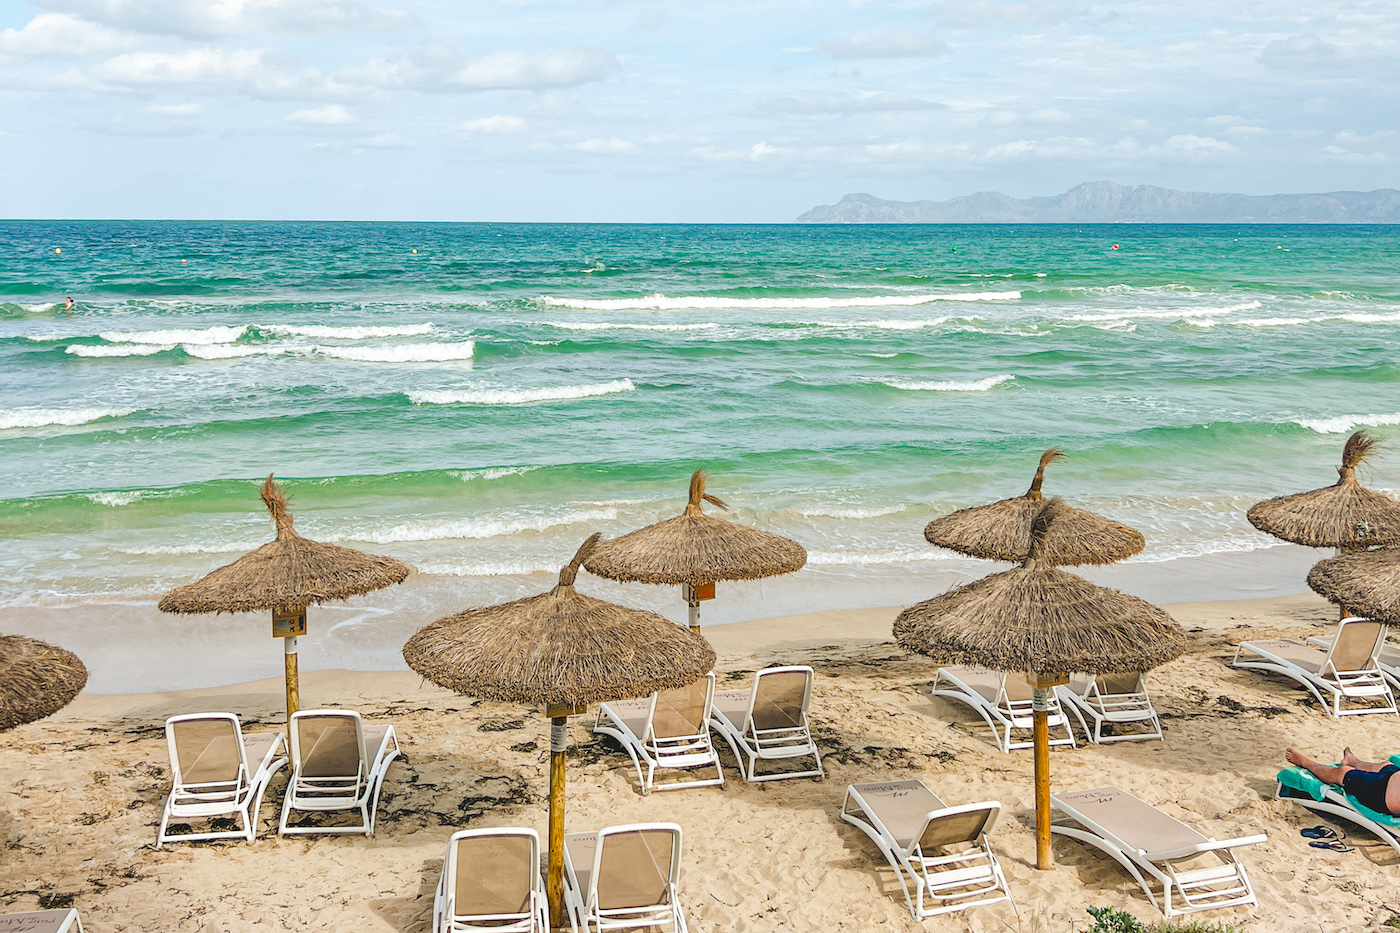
(1342, 424)
(659, 302)
(519, 396)
(65, 417)
(979, 385)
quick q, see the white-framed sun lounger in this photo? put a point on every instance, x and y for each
(338, 763)
(1002, 699)
(1388, 658)
(667, 730)
(491, 881)
(217, 771)
(1347, 670)
(1302, 787)
(1148, 842)
(911, 825)
(1111, 699)
(768, 722)
(624, 878)
(58, 920)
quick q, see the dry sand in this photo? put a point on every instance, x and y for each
(81, 794)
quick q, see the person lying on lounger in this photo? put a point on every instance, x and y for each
(1372, 783)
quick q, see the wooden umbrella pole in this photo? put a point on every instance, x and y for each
(289, 650)
(1044, 858)
(554, 880)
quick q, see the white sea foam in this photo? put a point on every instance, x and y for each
(879, 325)
(163, 550)
(328, 332)
(485, 569)
(209, 335)
(1341, 424)
(519, 396)
(67, 417)
(117, 499)
(1370, 318)
(881, 356)
(1171, 313)
(476, 528)
(404, 353)
(979, 385)
(591, 325)
(865, 558)
(225, 351)
(107, 350)
(491, 473)
(658, 302)
(876, 512)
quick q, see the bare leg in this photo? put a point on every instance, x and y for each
(1351, 761)
(1329, 774)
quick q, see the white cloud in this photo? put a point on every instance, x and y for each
(498, 125)
(441, 66)
(57, 34)
(863, 102)
(329, 115)
(613, 146)
(896, 45)
(175, 110)
(385, 141)
(1300, 53)
(254, 72)
(209, 19)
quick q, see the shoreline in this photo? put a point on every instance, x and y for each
(130, 647)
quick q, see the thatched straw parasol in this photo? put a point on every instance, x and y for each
(36, 680)
(1345, 515)
(1040, 619)
(1366, 583)
(1002, 530)
(285, 576)
(695, 550)
(560, 651)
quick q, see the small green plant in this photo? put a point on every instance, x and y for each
(1108, 920)
(1191, 926)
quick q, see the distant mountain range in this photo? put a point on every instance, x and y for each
(1103, 202)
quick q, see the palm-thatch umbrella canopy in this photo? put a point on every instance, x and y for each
(1367, 583)
(1345, 515)
(1040, 619)
(1002, 530)
(560, 651)
(695, 550)
(36, 680)
(285, 576)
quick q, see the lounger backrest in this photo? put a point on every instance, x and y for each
(1138, 824)
(1017, 688)
(328, 744)
(781, 696)
(636, 867)
(57, 920)
(1358, 641)
(1119, 684)
(206, 749)
(495, 873)
(683, 711)
(960, 825)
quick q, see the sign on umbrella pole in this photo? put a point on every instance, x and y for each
(288, 626)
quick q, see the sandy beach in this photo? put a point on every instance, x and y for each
(82, 794)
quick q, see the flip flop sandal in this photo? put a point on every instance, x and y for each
(1335, 845)
(1320, 832)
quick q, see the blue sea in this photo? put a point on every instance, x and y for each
(477, 398)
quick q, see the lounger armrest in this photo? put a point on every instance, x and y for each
(1211, 846)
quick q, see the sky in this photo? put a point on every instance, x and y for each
(743, 111)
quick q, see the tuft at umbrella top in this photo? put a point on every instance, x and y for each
(1367, 583)
(1001, 530)
(1038, 618)
(695, 548)
(36, 680)
(290, 572)
(1344, 515)
(558, 648)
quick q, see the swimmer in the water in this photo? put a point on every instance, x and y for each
(68, 304)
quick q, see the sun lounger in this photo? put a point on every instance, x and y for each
(668, 730)
(623, 878)
(1347, 670)
(1111, 699)
(1306, 790)
(60, 920)
(940, 854)
(217, 771)
(338, 763)
(768, 722)
(491, 881)
(1146, 841)
(1003, 700)
(1388, 659)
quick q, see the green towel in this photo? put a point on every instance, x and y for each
(1305, 783)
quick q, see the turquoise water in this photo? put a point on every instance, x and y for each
(478, 406)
